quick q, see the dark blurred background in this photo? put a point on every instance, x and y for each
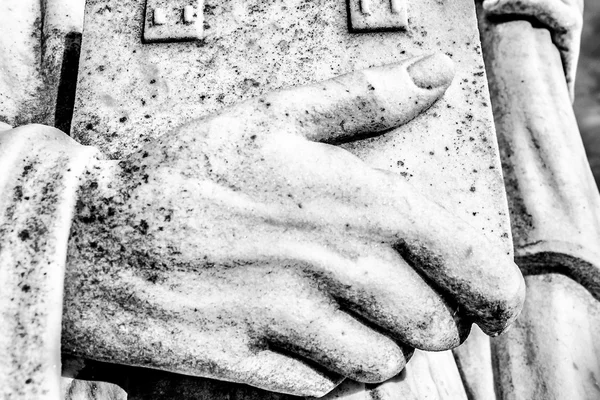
(587, 87)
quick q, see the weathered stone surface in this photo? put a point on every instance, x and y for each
(552, 351)
(40, 60)
(4, 126)
(173, 20)
(41, 168)
(373, 15)
(431, 376)
(474, 362)
(248, 196)
(20, 81)
(61, 33)
(130, 92)
(562, 18)
(77, 389)
(587, 86)
(553, 198)
(541, 334)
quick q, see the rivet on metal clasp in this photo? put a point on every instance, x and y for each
(378, 15)
(173, 20)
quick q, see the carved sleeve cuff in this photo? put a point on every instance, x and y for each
(40, 170)
(563, 18)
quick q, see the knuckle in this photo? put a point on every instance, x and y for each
(505, 302)
(437, 330)
(512, 291)
(383, 363)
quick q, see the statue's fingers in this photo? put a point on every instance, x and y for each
(485, 282)
(372, 282)
(478, 275)
(458, 259)
(318, 330)
(358, 104)
(197, 345)
(277, 372)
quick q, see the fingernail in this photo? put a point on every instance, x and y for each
(433, 71)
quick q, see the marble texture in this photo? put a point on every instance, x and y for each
(551, 352)
(562, 18)
(587, 86)
(474, 361)
(39, 62)
(130, 93)
(41, 171)
(449, 154)
(254, 195)
(553, 198)
(21, 81)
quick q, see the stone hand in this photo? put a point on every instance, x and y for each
(246, 247)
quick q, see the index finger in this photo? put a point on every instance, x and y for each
(359, 104)
(473, 273)
(462, 263)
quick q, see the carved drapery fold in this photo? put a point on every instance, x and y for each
(554, 202)
(39, 61)
(550, 352)
(41, 167)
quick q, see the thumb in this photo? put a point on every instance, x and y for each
(361, 103)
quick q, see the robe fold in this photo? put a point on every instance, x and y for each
(40, 171)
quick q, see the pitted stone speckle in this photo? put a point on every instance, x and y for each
(41, 170)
